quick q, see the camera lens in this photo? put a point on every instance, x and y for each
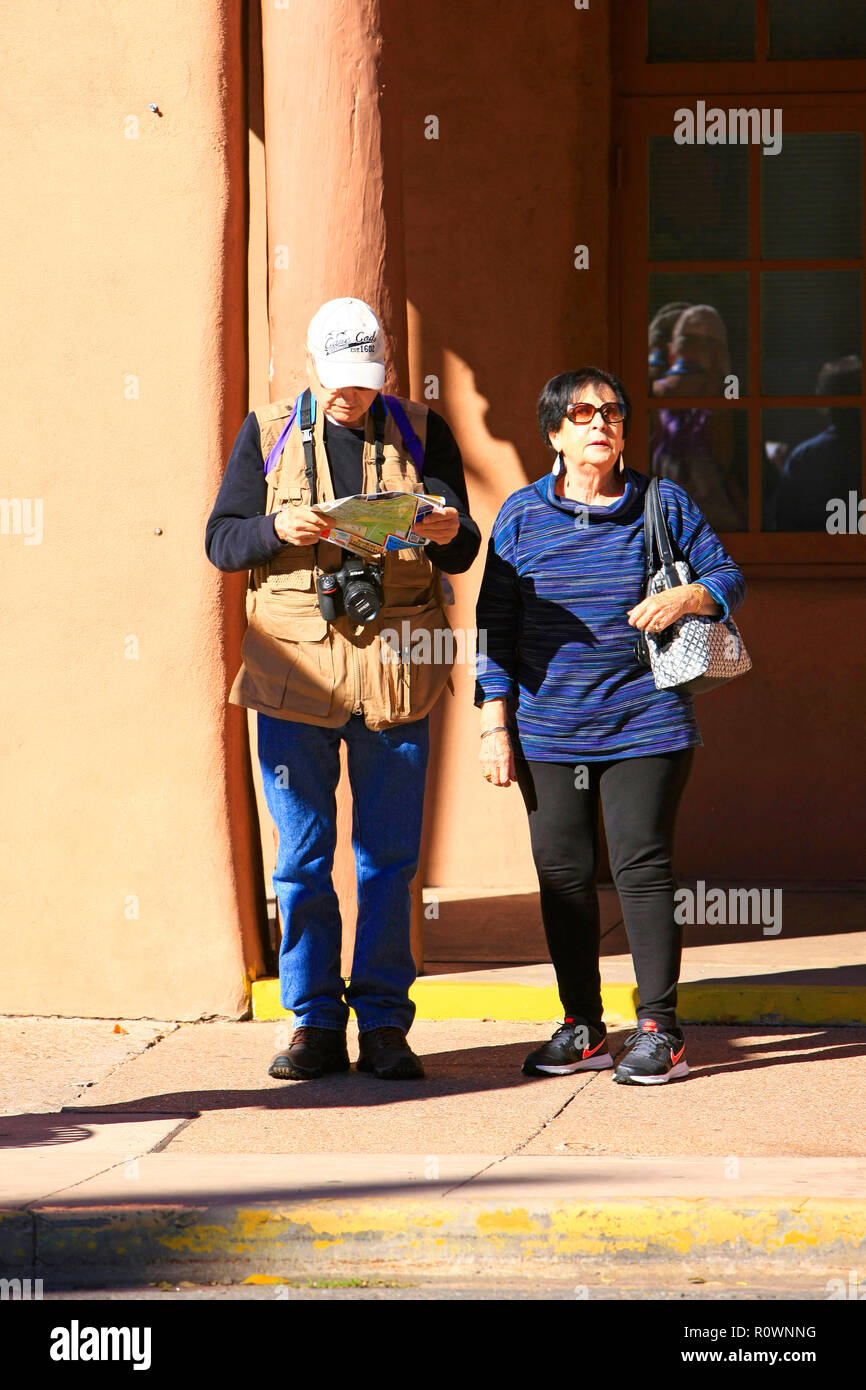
(361, 600)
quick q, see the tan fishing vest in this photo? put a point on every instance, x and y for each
(298, 666)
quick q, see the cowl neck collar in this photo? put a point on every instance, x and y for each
(546, 489)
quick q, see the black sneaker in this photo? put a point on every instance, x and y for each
(656, 1056)
(311, 1053)
(573, 1047)
(386, 1053)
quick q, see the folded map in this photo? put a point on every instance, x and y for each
(375, 522)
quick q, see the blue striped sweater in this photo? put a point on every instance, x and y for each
(553, 633)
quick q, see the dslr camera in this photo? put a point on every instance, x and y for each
(355, 589)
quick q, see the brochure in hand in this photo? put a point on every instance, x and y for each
(373, 523)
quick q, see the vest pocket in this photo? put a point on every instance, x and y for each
(292, 569)
(408, 573)
(418, 662)
(287, 656)
(399, 475)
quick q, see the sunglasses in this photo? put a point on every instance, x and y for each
(582, 412)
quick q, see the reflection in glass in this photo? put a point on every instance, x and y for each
(706, 452)
(801, 29)
(698, 334)
(808, 317)
(811, 464)
(811, 197)
(700, 31)
(698, 201)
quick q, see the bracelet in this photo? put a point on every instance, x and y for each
(497, 729)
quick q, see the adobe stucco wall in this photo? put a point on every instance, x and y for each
(126, 888)
(494, 207)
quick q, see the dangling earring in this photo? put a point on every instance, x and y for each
(557, 465)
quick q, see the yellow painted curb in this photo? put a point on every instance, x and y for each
(698, 1003)
(317, 1234)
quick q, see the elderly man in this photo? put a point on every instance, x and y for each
(319, 667)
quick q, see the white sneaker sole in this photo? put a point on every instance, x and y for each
(681, 1069)
(600, 1063)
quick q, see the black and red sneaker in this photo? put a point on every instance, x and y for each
(575, 1046)
(657, 1055)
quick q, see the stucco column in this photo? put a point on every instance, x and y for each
(334, 197)
(333, 175)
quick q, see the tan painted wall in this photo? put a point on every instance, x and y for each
(494, 207)
(776, 794)
(124, 374)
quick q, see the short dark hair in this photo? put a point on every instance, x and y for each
(841, 378)
(560, 391)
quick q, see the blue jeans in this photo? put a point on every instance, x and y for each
(300, 769)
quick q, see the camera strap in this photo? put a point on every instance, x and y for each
(377, 410)
(306, 416)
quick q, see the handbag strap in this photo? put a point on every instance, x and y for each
(657, 537)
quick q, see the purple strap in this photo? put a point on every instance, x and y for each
(272, 457)
(401, 420)
(410, 438)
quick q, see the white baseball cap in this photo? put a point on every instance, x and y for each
(347, 344)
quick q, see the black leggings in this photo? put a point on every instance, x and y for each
(639, 798)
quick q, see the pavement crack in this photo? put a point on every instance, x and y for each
(71, 1186)
(165, 1029)
(545, 1124)
(472, 1176)
(588, 1078)
(118, 1163)
(167, 1138)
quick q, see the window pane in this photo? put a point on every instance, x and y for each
(805, 30)
(699, 334)
(808, 318)
(700, 31)
(699, 201)
(811, 197)
(706, 452)
(811, 465)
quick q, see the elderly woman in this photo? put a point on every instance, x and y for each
(569, 714)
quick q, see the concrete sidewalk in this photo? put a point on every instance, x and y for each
(166, 1152)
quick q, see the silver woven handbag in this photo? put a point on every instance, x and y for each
(696, 653)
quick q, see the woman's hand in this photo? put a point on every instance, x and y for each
(299, 525)
(496, 755)
(497, 759)
(657, 612)
(440, 526)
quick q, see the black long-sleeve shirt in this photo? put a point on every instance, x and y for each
(239, 535)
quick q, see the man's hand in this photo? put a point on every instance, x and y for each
(440, 526)
(299, 525)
